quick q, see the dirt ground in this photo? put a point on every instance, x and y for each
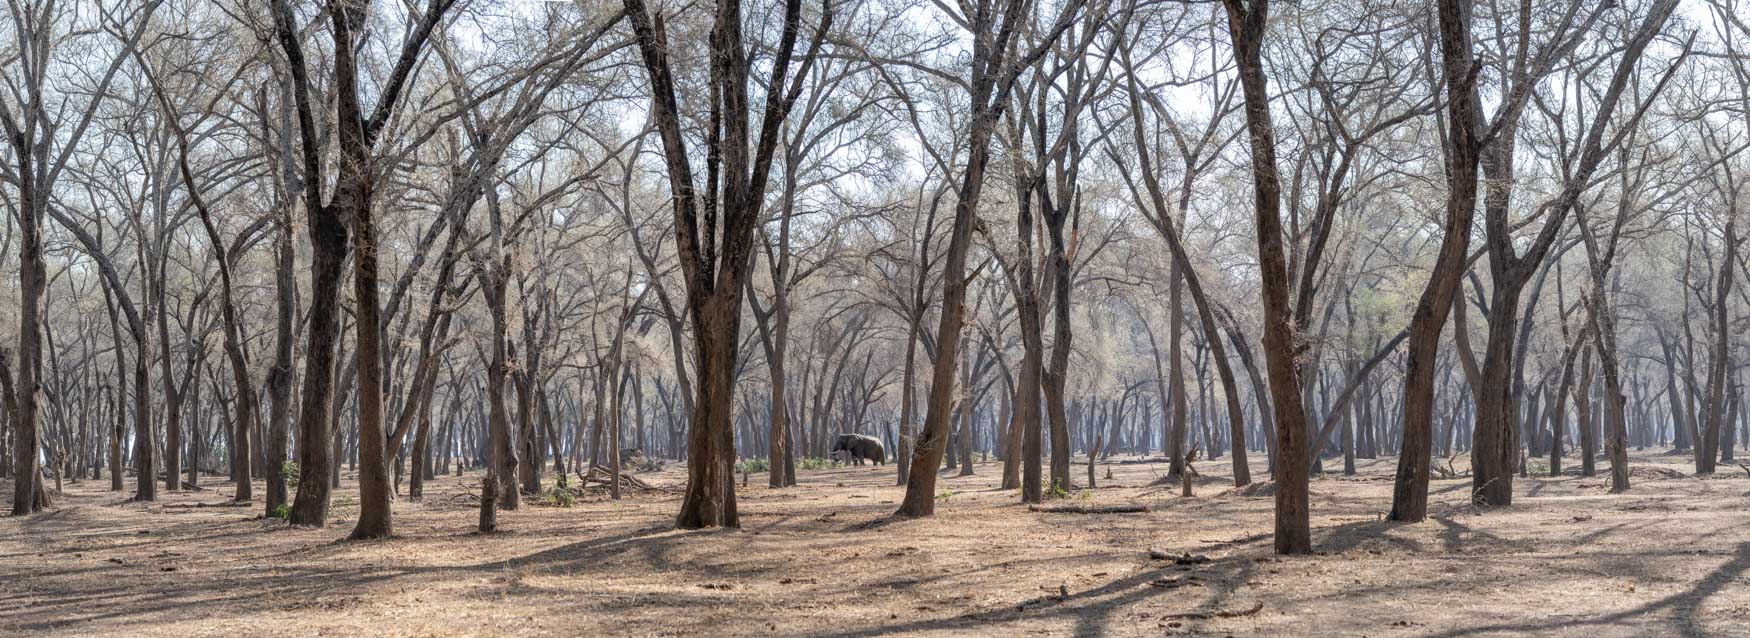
(1669, 558)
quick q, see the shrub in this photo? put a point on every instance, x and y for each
(281, 511)
(1057, 490)
(817, 463)
(289, 472)
(946, 495)
(752, 466)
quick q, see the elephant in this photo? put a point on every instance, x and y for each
(857, 448)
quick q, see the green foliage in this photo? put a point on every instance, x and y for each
(1057, 490)
(817, 463)
(343, 500)
(559, 496)
(289, 472)
(752, 466)
(281, 511)
(946, 495)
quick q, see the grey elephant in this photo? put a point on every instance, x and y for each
(858, 448)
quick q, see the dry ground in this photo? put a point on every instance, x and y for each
(1669, 558)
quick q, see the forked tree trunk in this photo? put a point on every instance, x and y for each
(715, 262)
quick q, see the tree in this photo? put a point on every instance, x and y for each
(354, 181)
(42, 130)
(715, 261)
(1247, 24)
(1494, 451)
(992, 81)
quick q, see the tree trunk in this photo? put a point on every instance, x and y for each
(1292, 531)
(1410, 489)
(709, 500)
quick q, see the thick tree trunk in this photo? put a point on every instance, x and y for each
(709, 500)
(1410, 490)
(1494, 442)
(172, 397)
(376, 492)
(328, 239)
(145, 440)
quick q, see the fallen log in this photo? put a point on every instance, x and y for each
(1089, 509)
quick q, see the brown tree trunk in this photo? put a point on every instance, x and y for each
(920, 489)
(1293, 535)
(709, 500)
(715, 259)
(1410, 490)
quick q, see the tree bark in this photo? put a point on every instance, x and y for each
(1293, 535)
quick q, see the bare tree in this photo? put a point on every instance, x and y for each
(715, 261)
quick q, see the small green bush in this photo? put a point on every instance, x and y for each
(289, 472)
(946, 495)
(1057, 490)
(281, 511)
(752, 466)
(817, 463)
(343, 500)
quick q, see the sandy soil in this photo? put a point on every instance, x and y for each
(1669, 558)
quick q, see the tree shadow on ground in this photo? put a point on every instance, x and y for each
(1680, 610)
(1091, 609)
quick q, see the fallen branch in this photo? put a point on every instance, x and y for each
(1089, 509)
(1178, 559)
(604, 476)
(1746, 469)
(204, 504)
(1175, 582)
(1205, 615)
